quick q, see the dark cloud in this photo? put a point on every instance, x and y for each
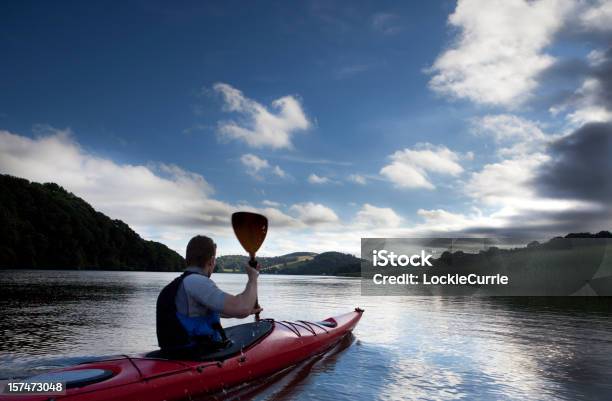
(575, 32)
(580, 169)
(580, 166)
(564, 69)
(581, 163)
(559, 82)
(602, 71)
(550, 224)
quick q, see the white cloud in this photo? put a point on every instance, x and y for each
(517, 136)
(377, 217)
(517, 212)
(441, 220)
(589, 114)
(157, 195)
(253, 163)
(587, 107)
(405, 176)
(500, 49)
(357, 179)
(500, 183)
(315, 179)
(596, 57)
(507, 127)
(278, 219)
(314, 213)
(258, 126)
(256, 165)
(590, 102)
(270, 203)
(409, 168)
(279, 172)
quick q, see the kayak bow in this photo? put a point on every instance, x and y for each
(260, 349)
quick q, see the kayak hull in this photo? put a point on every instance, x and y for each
(150, 379)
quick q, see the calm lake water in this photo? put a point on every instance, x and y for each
(403, 348)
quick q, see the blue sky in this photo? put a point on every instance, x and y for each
(338, 120)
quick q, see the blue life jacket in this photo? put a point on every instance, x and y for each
(202, 326)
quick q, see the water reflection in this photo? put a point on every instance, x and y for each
(287, 385)
(404, 347)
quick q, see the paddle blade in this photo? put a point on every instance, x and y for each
(250, 229)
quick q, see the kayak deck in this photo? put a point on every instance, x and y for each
(151, 378)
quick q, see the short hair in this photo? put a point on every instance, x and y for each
(200, 250)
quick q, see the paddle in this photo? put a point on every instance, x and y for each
(250, 229)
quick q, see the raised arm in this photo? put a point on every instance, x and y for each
(242, 305)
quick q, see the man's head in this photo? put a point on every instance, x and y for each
(201, 252)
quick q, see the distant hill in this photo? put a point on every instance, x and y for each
(43, 226)
(300, 254)
(601, 234)
(235, 263)
(297, 263)
(327, 263)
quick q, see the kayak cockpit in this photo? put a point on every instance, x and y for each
(73, 378)
(241, 337)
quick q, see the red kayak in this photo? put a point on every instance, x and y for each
(258, 350)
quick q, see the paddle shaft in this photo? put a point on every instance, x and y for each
(253, 264)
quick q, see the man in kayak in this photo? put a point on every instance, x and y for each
(190, 307)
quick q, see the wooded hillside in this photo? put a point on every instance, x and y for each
(43, 226)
